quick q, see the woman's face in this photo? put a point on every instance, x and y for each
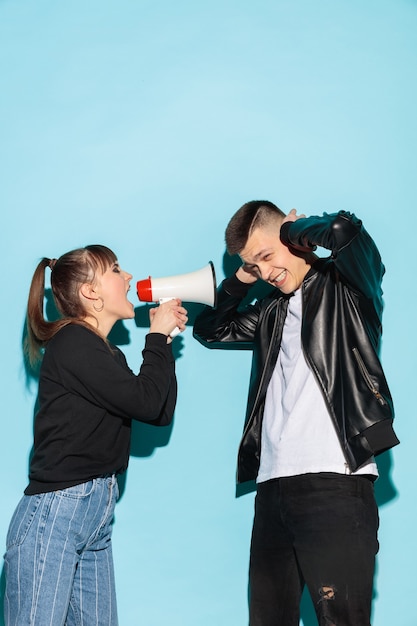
(113, 286)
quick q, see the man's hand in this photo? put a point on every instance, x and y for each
(292, 216)
(245, 275)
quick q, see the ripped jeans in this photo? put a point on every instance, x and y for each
(58, 563)
(318, 530)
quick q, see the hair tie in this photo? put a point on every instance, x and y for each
(52, 263)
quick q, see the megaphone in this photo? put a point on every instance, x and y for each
(198, 286)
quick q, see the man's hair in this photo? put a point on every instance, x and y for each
(254, 214)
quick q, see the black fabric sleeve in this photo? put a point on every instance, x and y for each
(98, 372)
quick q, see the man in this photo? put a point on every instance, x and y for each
(319, 408)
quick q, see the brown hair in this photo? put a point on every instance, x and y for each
(68, 273)
(254, 214)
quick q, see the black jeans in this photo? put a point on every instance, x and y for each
(319, 530)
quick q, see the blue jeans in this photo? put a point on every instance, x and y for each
(58, 562)
(319, 530)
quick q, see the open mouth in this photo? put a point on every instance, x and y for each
(280, 279)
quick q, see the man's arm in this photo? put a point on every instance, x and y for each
(354, 252)
(225, 323)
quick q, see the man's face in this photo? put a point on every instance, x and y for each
(266, 257)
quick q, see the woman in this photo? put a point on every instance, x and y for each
(58, 563)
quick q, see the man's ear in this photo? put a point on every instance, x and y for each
(88, 291)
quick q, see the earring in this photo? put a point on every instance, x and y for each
(98, 310)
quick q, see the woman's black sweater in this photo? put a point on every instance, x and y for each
(87, 398)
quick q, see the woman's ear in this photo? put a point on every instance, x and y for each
(88, 291)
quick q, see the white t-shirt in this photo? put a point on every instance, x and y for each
(298, 435)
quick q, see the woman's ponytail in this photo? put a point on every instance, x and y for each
(39, 330)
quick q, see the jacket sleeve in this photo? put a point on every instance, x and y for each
(354, 252)
(226, 323)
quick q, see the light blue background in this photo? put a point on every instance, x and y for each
(144, 125)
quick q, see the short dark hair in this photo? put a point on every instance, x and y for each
(251, 215)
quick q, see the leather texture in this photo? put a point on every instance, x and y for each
(341, 332)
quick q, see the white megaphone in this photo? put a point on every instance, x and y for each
(198, 286)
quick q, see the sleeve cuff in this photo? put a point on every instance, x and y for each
(235, 287)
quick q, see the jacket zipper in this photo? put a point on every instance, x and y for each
(268, 354)
(342, 440)
(367, 377)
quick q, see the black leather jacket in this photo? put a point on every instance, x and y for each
(341, 331)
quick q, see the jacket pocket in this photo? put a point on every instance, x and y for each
(370, 382)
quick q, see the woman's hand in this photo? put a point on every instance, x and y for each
(168, 316)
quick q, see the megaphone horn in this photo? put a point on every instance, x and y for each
(198, 286)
